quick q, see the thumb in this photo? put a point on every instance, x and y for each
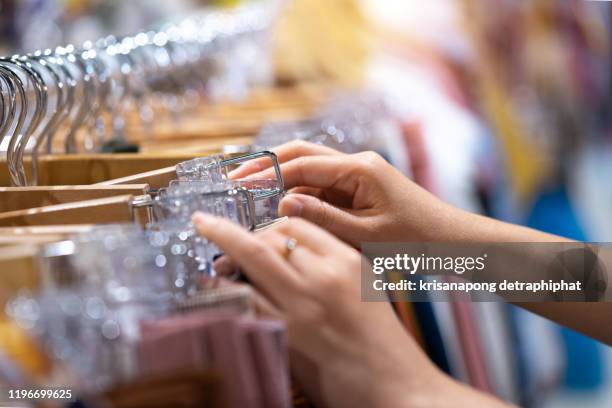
(338, 221)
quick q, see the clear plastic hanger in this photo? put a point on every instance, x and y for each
(211, 171)
(99, 288)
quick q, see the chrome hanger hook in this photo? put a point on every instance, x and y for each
(41, 92)
(45, 62)
(18, 90)
(59, 61)
(85, 107)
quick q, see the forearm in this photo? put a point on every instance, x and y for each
(460, 395)
(584, 317)
(442, 392)
(461, 226)
(406, 383)
(588, 318)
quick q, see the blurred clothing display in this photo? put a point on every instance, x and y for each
(512, 100)
(41, 24)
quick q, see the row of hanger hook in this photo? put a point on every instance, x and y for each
(90, 89)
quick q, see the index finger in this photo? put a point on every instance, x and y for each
(284, 153)
(263, 266)
(325, 172)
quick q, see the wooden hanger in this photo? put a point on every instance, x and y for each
(20, 198)
(194, 146)
(10, 236)
(6, 240)
(155, 179)
(160, 178)
(83, 169)
(64, 231)
(99, 211)
(39, 235)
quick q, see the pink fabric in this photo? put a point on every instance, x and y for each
(471, 346)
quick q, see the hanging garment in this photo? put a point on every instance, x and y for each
(552, 212)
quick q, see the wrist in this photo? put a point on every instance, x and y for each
(439, 391)
(401, 375)
(426, 388)
(436, 222)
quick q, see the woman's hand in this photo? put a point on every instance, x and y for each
(344, 352)
(359, 197)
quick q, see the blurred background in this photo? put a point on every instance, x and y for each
(507, 106)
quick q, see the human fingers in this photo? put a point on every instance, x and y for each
(284, 153)
(310, 236)
(311, 191)
(264, 308)
(339, 221)
(280, 242)
(262, 264)
(337, 172)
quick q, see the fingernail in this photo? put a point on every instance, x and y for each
(291, 207)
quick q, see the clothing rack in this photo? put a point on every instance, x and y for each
(58, 185)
